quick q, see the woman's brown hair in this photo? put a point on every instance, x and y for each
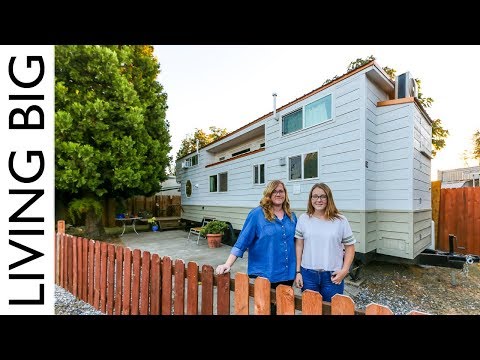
(266, 201)
(331, 211)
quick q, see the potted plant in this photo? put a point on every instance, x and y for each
(153, 222)
(213, 231)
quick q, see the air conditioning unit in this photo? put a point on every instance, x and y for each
(405, 86)
(185, 165)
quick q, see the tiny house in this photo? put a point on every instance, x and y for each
(366, 136)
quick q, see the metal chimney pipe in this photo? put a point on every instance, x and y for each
(275, 106)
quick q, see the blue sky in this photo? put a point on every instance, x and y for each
(230, 85)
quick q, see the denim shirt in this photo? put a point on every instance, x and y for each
(270, 244)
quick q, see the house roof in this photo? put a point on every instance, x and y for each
(313, 92)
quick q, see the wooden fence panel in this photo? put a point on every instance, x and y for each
(155, 288)
(84, 287)
(136, 282)
(74, 267)
(207, 290)
(118, 279)
(342, 305)
(242, 283)
(69, 264)
(57, 258)
(460, 216)
(103, 277)
(110, 278)
(97, 273)
(192, 288)
(96, 270)
(223, 294)
(473, 242)
(91, 257)
(285, 300)
(311, 303)
(145, 281)
(79, 267)
(376, 309)
(166, 285)
(261, 297)
(127, 281)
(61, 263)
(179, 300)
(435, 196)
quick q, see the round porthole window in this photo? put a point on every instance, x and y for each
(188, 188)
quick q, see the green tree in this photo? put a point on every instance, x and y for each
(189, 143)
(439, 134)
(111, 136)
(476, 146)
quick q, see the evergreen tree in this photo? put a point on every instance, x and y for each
(111, 136)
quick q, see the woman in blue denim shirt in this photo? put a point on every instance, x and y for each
(268, 234)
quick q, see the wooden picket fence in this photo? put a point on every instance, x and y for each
(119, 281)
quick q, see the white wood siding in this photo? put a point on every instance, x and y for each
(421, 164)
(373, 96)
(392, 187)
(338, 143)
(422, 231)
(395, 234)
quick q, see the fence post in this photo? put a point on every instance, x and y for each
(61, 226)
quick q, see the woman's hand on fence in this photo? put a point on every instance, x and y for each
(299, 280)
(222, 269)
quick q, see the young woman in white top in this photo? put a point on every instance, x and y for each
(324, 245)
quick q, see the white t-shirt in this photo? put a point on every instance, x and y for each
(324, 241)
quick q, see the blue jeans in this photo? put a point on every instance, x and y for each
(321, 282)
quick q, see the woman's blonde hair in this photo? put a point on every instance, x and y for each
(266, 201)
(331, 211)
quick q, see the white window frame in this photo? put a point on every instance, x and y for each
(303, 115)
(256, 169)
(218, 182)
(302, 169)
(188, 161)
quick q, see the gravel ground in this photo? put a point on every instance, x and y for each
(67, 304)
(431, 289)
(402, 288)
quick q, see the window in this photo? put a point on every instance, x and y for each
(192, 161)
(315, 113)
(188, 188)
(219, 183)
(213, 183)
(318, 111)
(240, 152)
(310, 165)
(292, 122)
(306, 169)
(259, 174)
(223, 182)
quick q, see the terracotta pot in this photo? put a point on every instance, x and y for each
(214, 240)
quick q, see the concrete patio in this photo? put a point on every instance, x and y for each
(175, 244)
